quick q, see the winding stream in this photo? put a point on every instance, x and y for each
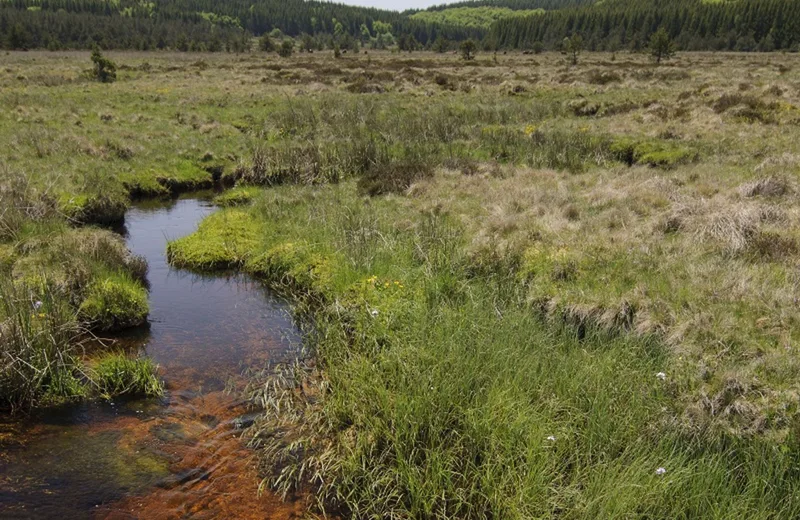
(180, 456)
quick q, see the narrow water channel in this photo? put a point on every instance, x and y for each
(180, 456)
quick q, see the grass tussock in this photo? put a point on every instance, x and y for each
(117, 374)
(113, 303)
(39, 359)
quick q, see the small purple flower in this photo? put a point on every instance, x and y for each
(661, 471)
(37, 305)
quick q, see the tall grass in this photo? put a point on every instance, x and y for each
(119, 374)
(39, 348)
(436, 392)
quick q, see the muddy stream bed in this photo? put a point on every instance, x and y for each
(179, 456)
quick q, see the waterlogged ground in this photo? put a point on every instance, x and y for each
(178, 456)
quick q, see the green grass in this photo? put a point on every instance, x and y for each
(114, 302)
(238, 196)
(39, 335)
(445, 393)
(116, 374)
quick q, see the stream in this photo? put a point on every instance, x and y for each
(179, 456)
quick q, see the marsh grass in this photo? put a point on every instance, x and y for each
(444, 396)
(116, 374)
(40, 337)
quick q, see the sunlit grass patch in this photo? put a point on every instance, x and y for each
(225, 239)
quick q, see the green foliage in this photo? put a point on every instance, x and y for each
(481, 17)
(441, 45)
(117, 374)
(661, 46)
(695, 25)
(265, 43)
(572, 47)
(115, 303)
(286, 49)
(105, 70)
(468, 48)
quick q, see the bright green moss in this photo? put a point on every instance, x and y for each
(238, 196)
(225, 239)
(101, 208)
(652, 153)
(114, 303)
(294, 264)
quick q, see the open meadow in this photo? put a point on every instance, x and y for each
(532, 289)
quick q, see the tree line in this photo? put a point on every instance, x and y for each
(744, 25)
(202, 24)
(214, 25)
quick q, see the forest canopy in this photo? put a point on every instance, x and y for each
(213, 25)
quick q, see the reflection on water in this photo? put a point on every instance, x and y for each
(175, 457)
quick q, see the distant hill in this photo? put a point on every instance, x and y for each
(217, 25)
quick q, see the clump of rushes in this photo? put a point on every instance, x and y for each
(38, 346)
(119, 374)
(115, 302)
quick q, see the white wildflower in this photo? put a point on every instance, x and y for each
(374, 313)
(662, 376)
(661, 471)
(37, 305)
(551, 438)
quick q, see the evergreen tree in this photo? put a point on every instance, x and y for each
(572, 47)
(468, 48)
(105, 70)
(661, 46)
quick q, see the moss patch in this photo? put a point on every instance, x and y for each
(238, 196)
(652, 153)
(225, 239)
(115, 303)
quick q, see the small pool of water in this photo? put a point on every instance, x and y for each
(180, 456)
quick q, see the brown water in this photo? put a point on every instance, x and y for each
(180, 456)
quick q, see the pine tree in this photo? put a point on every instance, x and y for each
(661, 46)
(105, 70)
(468, 48)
